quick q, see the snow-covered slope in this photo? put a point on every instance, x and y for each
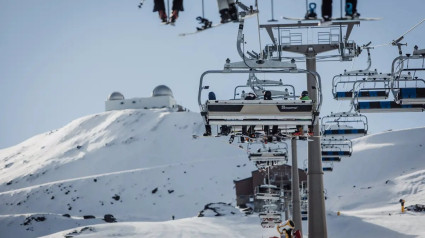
(367, 187)
(364, 188)
(137, 165)
(143, 167)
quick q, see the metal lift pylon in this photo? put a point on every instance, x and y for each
(317, 227)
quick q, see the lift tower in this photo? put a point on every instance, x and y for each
(329, 37)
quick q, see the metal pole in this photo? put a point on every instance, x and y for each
(286, 207)
(316, 200)
(272, 10)
(296, 203)
(203, 16)
(168, 8)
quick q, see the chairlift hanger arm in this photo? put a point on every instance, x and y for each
(349, 23)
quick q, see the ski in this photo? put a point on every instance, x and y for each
(209, 25)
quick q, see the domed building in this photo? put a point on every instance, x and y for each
(162, 97)
(162, 90)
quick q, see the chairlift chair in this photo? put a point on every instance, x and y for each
(408, 84)
(259, 112)
(328, 167)
(344, 125)
(270, 215)
(336, 148)
(267, 192)
(268, 224)
(264, 154)
(363, 87)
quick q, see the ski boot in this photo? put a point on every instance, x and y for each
(163, 16)
(231, 139)
(327, 18)
(311, 13)
(225, 17)
(174, 17)
(207, 130)
(233, 12)
(350, 12)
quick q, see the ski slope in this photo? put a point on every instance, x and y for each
(144, 166)
(137, 165)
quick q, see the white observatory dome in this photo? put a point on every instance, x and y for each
(162, 90)
(115, 96)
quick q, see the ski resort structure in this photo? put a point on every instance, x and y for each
(266, 113)
(236, 162)
(162, 97)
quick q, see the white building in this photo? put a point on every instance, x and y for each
(162, 97)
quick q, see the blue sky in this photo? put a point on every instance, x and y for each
(61, 59)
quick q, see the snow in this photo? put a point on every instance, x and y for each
(144, 167)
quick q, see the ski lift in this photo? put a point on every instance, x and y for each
(267, 192)
(410, 89)
(409, 95)
(344, 125)
(265, 224)
(374, 86)
(270, 215)
(259, 112)
(328, 167)
(270, 207)
(339, 148)
(277, 154)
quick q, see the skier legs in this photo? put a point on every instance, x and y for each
(177, 7)
(227, 10)
(233, 11)
(326, 10)
(159, 7)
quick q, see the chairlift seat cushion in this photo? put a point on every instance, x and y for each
(387, 106)
(331, 159)
(336, 153)
(412, 93)
(344, 131)
(363, 94)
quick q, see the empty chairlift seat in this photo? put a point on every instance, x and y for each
(339, 153)
(388, 106)
(344, 125)
(363, 95)
(270, 215)
(343, 131)
(411, 96)
(259, 112)
(267, 156)
(268, 192)
(331, 159)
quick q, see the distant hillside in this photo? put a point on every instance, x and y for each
(137, 165)
(381, 171)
